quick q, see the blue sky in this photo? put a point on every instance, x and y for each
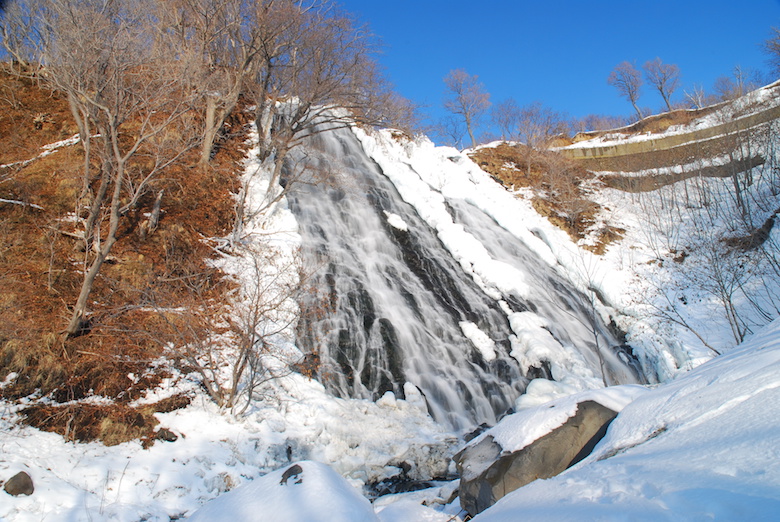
(561, 52)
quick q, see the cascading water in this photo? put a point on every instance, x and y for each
(393, 306)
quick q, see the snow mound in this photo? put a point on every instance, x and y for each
(407, 511)
(307, 492)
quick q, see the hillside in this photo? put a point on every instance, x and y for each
(588, 283)
(692, 194)
(40, 180)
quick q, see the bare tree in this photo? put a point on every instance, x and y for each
(316, 75)
(450, 128)
(215, 34)
(597, 122)
(506, 116)
(664, 77)
(230, 345)
(697, 98)
(467, 99)
(627, 80)
(772, 49)
(19, 28)
(536, 124)
(117, 71)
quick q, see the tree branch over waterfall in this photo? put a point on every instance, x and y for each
(315, 73)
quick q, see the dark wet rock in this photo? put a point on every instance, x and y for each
(19, 484)
(294, 473)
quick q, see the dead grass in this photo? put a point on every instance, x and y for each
(557, 186)
(40, 270)
(22, 101)
(110, 423)
(654, 124)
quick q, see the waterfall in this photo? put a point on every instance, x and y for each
(390, 305)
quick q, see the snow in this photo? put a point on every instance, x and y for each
(408, 511)
(47, 150)
(215, 452)
(396, 221)
(315, 493)
(702, 447)
(518, 430)
(291, 418)
(480, 340)
(753, 102)
(424, 175)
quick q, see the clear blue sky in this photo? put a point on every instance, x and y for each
(561, 52)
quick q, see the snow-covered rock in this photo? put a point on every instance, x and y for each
(703, 447)
(536, 443)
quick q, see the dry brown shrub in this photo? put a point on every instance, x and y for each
(110, 423)
(21, 100)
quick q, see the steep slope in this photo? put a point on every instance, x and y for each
(423, 285)
(42, 184)
(680, 209)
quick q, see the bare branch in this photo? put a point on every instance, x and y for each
(627, 80)
(467, 99)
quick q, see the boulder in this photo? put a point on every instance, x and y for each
(19, 484)
(488, 472)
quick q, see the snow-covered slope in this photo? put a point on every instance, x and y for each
(703, 447)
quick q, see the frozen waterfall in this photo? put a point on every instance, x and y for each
(390, 304)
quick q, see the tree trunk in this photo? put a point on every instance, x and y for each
(77, 319)
(638, 112)
(82, 122)
(94, 209)
(471, 133)
(210, 130)
(666, 100)
(264, 119)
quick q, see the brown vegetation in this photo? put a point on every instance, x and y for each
(40, 270)
(110, 423)
(105, 259)
(558, 189)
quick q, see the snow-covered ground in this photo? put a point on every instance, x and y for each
(702, 445)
